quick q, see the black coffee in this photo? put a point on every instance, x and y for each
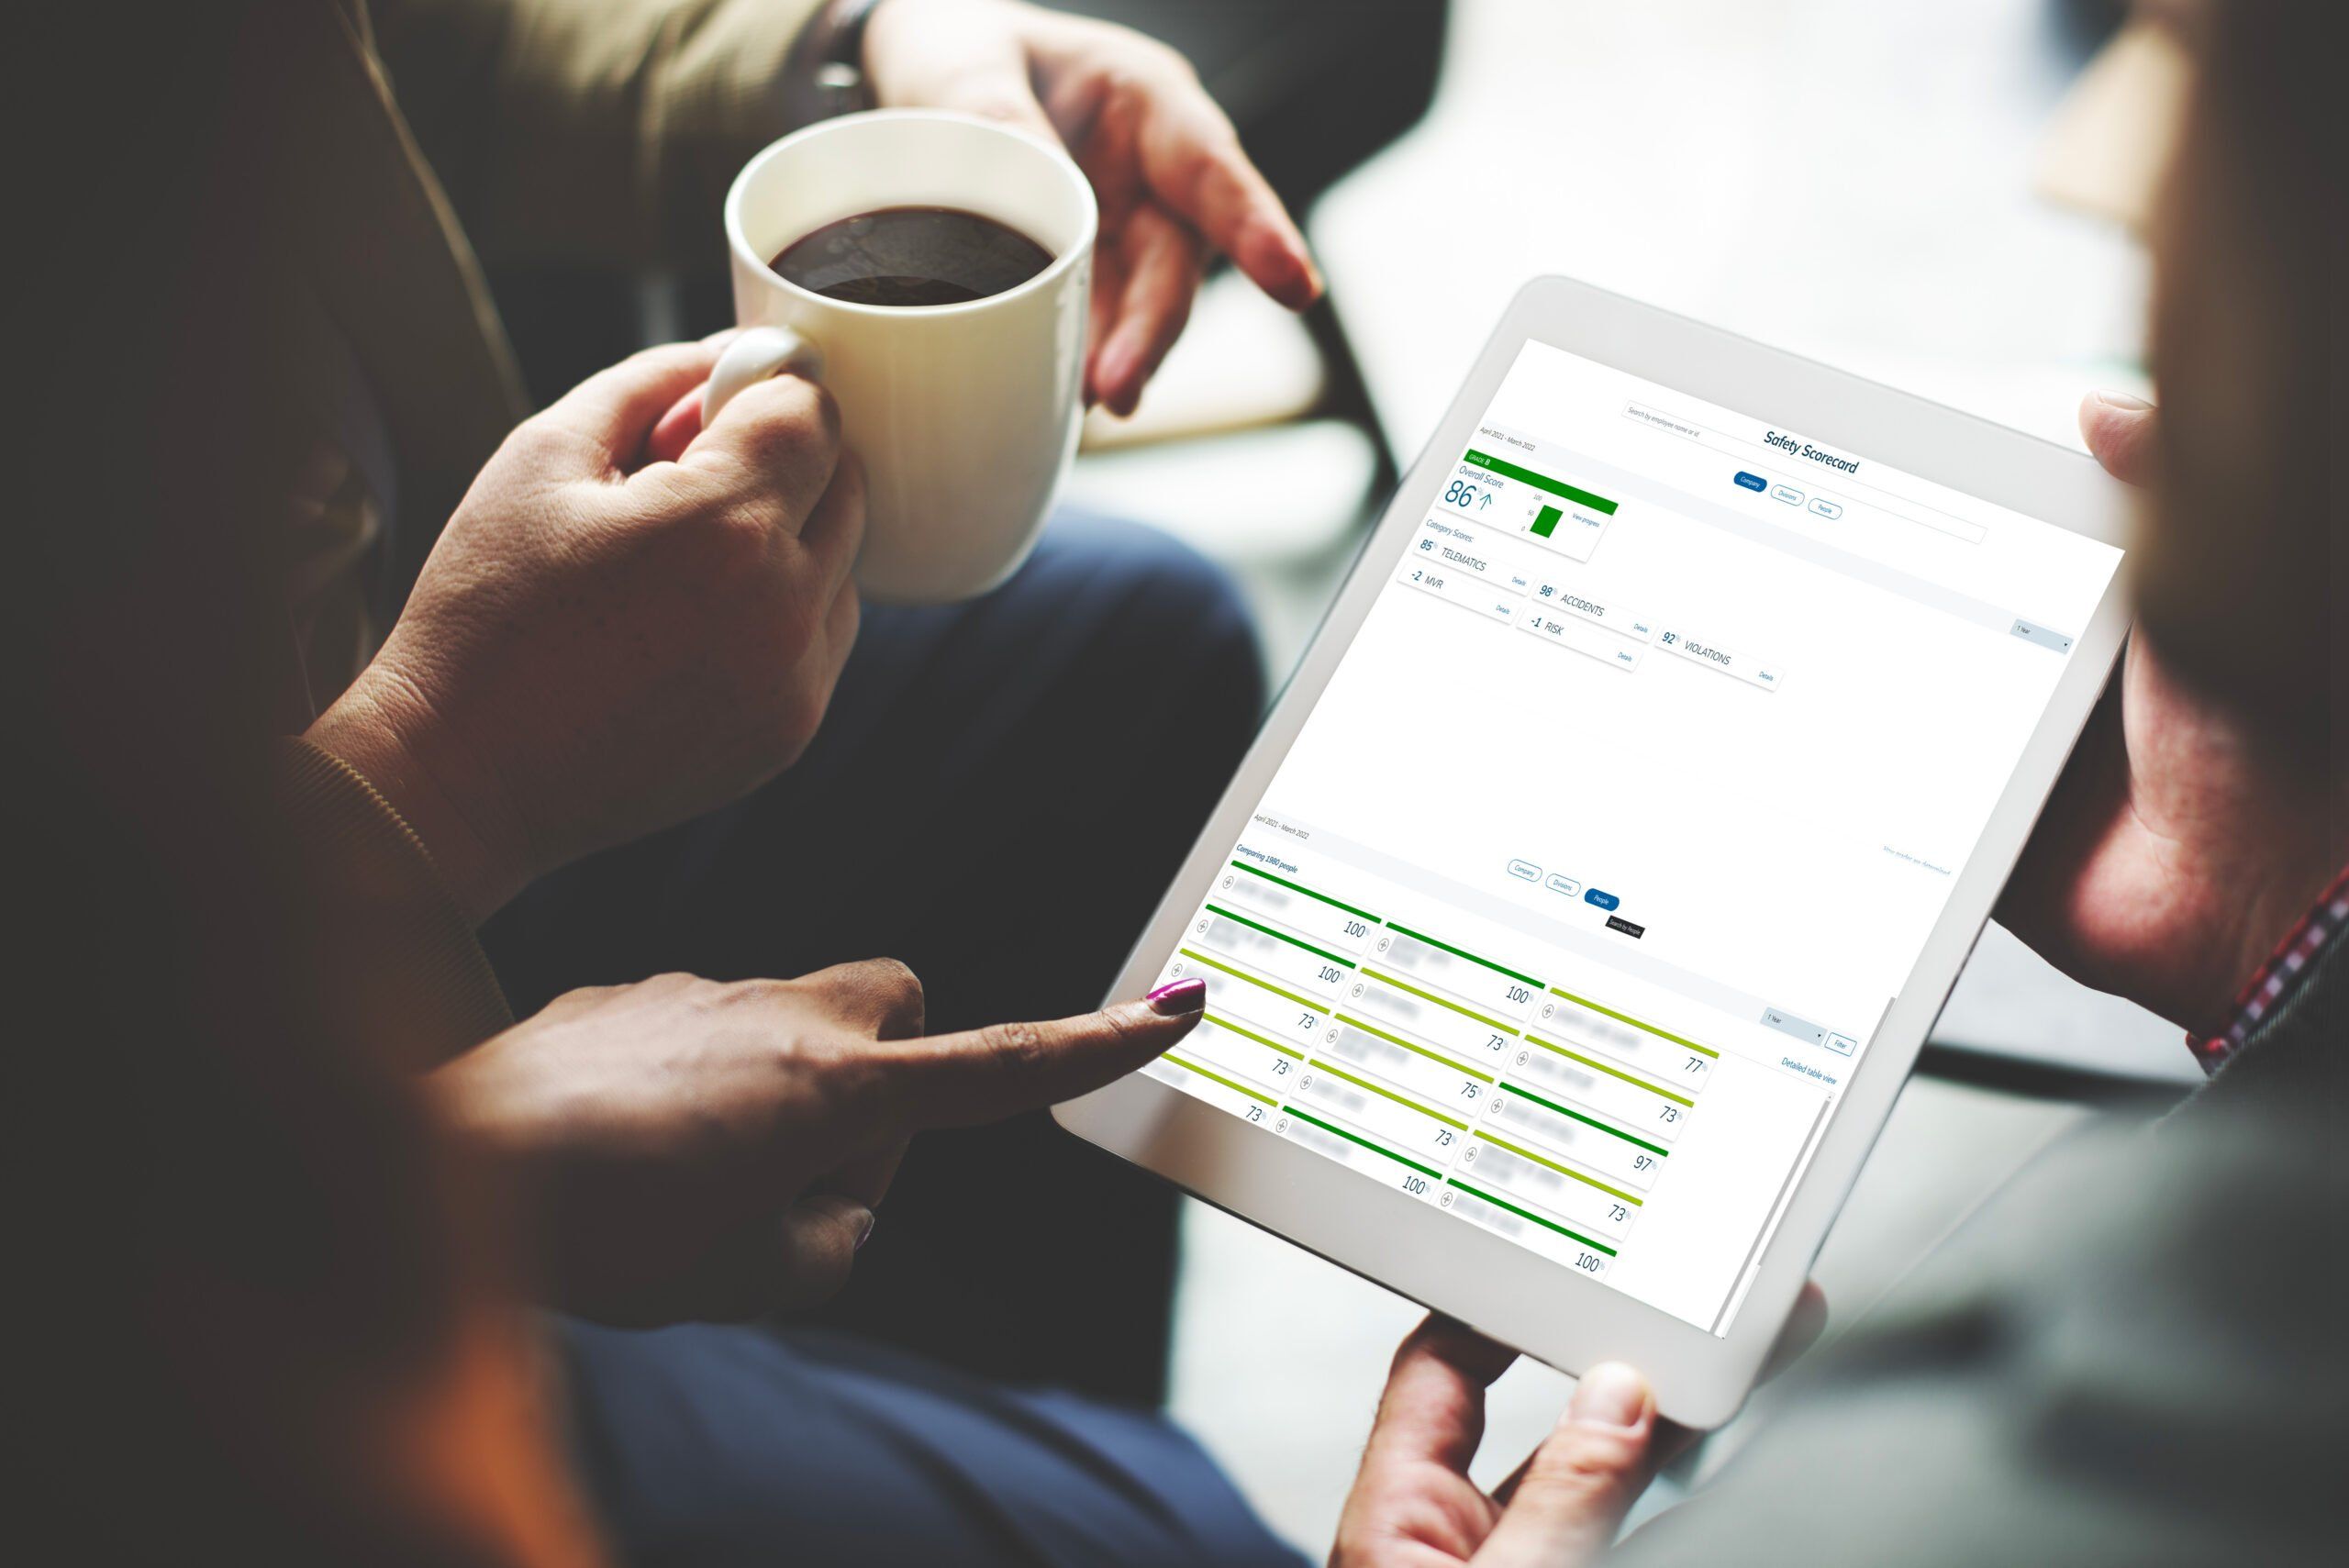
(913, 255)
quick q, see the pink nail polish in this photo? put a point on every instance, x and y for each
(1178, 998)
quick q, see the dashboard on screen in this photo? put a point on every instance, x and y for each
(1591, 876)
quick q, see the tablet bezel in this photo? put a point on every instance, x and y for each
(1509, 1292)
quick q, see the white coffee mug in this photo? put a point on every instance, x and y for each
(966, 415)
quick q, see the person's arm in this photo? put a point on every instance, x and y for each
(590, 130)
(392, 953)
(601, 645)
(610, 130)
(690, 1149)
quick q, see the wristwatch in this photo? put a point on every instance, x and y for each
(824, 75)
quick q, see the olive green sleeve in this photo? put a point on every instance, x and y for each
(605, 130)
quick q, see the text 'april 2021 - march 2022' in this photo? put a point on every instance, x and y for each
(1621, 821)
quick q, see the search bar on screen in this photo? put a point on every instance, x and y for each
(1765, 457)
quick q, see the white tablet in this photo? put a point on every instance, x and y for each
(1570, 928)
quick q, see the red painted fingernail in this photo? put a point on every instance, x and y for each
(1178, 997)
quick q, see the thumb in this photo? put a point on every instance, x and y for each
(616, 409)
(1572, 1495)
(2118, 429)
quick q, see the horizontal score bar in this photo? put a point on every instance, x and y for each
(1617, 1096)
(1684, 1064)
(1556, 1127)
(1316, 921)
(1512, 1172)
(1394, 1124)
(1242, 1054)
(1215, 1089)
(1477, 983)
(1261, 874)
(1234, 1084)
(1396, 1062)
(1292, 938)
(1347, 1146)
(1496, 1213)
(1557, 487)
(1284, 962)
(1270, 1010)
(1453, 1024)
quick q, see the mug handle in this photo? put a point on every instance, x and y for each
(760, 352)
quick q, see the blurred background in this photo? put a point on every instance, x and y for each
(1931, 193)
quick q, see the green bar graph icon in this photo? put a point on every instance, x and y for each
(1545, 522)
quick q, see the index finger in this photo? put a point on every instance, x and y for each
(778, 439)
(619, 405)
(982, 1075)
(1193, 160)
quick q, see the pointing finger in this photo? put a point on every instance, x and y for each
(962, 1079)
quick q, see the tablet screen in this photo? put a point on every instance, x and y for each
(1628, 810)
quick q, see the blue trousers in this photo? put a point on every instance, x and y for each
(707, 1447)
(998, 794)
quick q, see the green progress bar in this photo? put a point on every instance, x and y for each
(1366, 1143)
(1295, 887)
(1611, 1072)
(1284, 936)
(1538, 1219)
(1215, 1077)
(1523, 1093)
(1464, 952)
(1230, 1028)
(1403, 1100)
(1627, 1018)
(1411, 1045)
(1440, 1001)
(1260, 985)
(1545, 522)
(1507, 470)
(1561, 1170)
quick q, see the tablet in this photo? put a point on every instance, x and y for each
(1570, 928)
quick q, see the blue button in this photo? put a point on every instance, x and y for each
(1753, 482)
(1604, 900)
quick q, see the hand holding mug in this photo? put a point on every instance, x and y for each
(1165, 165)
(599, 646)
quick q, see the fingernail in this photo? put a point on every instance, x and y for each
(1609, 1394)
(2124, 400)
(1178, 997)
(864, 1231)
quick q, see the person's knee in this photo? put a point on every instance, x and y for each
(1185, 621)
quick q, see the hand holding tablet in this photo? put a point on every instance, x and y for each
(1574, 921)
